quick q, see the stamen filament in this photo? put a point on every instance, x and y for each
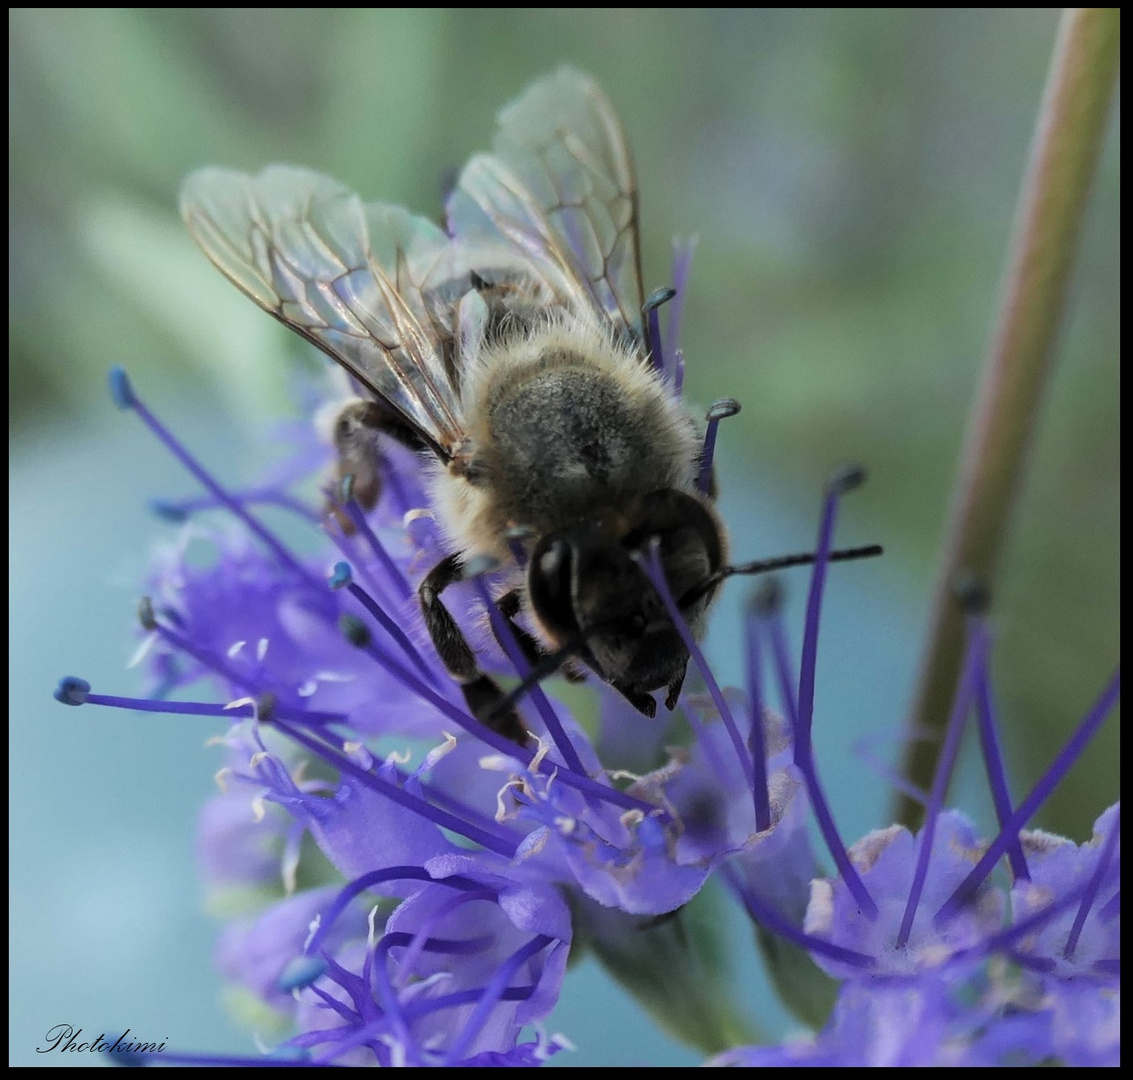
(679, 373)
(1038, 795)
(418, 942)
(245, 711)
(498, 842)
(769, 918)
(207, 660)
(492, 993)
(653, 567)
(377, 877)
(755, 740)
(126, 397)
(996, 774)
(506, 638)
(180, 509)
(802, 717)
(721, 410)
(965, 692)
(403, 640)
(1095, 883)
(391, 568)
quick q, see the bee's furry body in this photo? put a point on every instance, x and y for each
(511, 348)
(562, 423)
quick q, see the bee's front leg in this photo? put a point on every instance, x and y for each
(481, 692)
(533, 651)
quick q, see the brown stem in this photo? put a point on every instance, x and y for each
(1064, 154)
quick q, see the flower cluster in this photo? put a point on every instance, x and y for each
(407, 883)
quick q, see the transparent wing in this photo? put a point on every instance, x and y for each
(559, 187)
(347, 276)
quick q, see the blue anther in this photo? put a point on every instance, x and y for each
(72, 690)
(120, 389)
(846, 479)
(340, 576)
(168, 511)
(300, 971)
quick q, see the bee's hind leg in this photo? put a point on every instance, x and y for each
(356, 434)
(481, 692)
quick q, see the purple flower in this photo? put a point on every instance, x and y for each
(408, 883)
(936, 966)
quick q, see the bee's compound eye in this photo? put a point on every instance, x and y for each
(549, 584)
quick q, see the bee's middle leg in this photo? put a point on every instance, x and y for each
(481, 692)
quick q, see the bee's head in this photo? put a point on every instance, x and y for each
(585, 585)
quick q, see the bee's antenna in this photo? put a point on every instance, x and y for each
(782, 562)
(720, 410)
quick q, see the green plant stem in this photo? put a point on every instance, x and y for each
(1064, 155)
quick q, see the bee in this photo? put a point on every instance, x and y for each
(511, 350)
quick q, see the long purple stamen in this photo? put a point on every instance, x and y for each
(342, 577)
(973, 667)
(1008, 834)
(767, 606)
(721, 410)
(233, 1061)
(755, 740)
(124, 396)
(844, 482)
(996, 773)
(1095, 884)
(499, 842)
(653, 304)
(69, 694)
(377, 877)
(506, 638)
(492, 993)
(358, 519)
(654, 332)
(652, 566)
(802, 710)
(359, 637)
(178, 510)
(767, 916)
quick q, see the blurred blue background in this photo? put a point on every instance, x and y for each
(851, 176)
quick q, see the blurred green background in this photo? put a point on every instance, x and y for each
(851, 176)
